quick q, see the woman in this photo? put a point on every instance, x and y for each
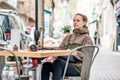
(80, 36)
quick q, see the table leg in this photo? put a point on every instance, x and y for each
(2, 61)
(38, 72)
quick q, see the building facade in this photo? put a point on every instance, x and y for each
(104, 22)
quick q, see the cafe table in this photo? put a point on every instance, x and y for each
(37, 54)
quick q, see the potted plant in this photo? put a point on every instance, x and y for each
(66, 29)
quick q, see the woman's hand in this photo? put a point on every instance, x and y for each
(49, 59)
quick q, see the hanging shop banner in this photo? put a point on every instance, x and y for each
(46, 22)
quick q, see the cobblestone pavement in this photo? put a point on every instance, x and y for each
(106, 66)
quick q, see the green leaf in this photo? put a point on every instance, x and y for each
(66, 28)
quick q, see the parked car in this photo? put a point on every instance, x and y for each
(2, 34)
(10, 20)
(2, 38)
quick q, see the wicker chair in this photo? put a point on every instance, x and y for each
(88, 59)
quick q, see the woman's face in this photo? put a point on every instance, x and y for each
(78, 22)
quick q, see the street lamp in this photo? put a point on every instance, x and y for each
(36, 33)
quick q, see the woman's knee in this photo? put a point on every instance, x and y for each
(59, 62)
(47, 65)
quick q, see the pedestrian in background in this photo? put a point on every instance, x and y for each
(79, 37)
(99, 42)
(97, 38)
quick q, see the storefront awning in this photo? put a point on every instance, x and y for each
(93, 21)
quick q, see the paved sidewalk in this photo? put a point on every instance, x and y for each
(106, 66)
